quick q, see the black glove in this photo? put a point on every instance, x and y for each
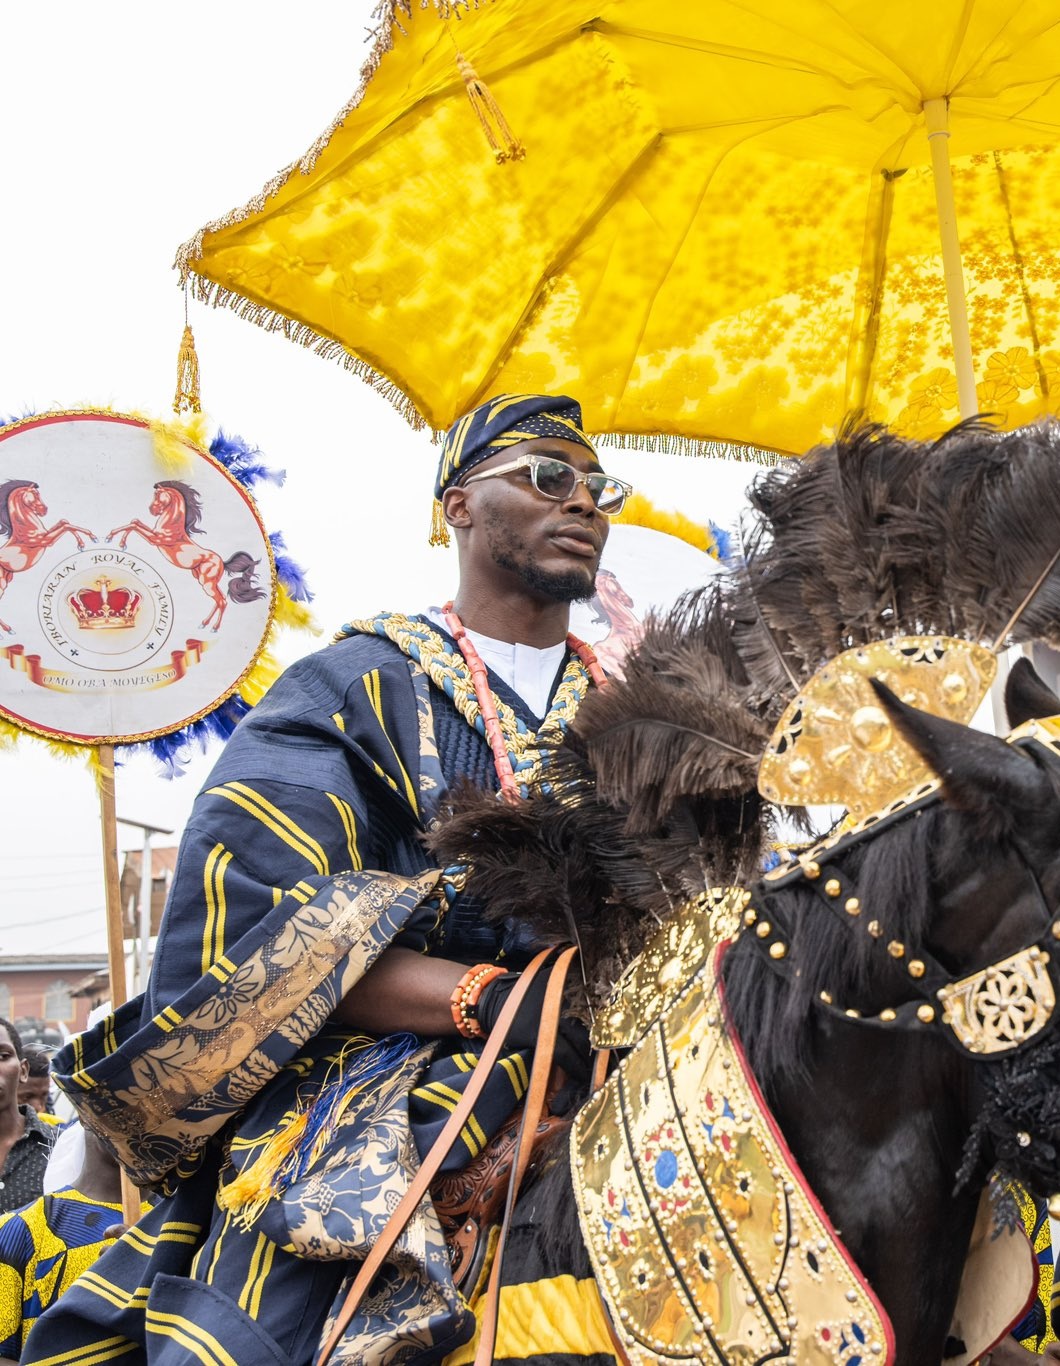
(573, 1048)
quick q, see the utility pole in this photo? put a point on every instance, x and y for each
(145, 896)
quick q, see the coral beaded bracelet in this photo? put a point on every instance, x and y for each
(465, 996)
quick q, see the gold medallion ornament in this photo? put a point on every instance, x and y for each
(657, 976)
(706, 1243)
(835, 744)
(1003, 1006)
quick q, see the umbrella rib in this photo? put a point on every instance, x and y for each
(561, 256)
(646, 317)
(749, 55)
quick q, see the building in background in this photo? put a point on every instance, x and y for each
(39, 992)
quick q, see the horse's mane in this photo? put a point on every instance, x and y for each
(897, 873)
(192, 503)
(6, 490)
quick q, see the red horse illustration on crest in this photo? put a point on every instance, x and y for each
(22, 511)
(177, 508)
(614, 606)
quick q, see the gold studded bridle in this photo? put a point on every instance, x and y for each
(988, 1013)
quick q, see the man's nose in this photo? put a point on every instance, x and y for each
(580, 500)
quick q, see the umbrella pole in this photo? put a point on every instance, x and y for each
(936, 116)
(130, 1196)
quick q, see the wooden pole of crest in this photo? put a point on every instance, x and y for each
(130, 1196)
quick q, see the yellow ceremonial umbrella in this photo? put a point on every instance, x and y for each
(725, 226)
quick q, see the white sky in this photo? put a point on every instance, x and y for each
(124, 127)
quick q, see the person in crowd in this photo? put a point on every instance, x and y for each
(36, 1090)
(47, 1245)
(25, 1141)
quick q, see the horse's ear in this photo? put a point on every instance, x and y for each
(1026, 697)
(980, 773)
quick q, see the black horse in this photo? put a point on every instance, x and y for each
(895, 1125)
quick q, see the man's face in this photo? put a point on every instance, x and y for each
(552, 548)
(13, 1070)
(34, 1091)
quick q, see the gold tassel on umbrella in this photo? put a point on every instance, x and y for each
(186, 399)
(506, 146)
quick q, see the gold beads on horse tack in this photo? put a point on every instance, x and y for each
(925, 1013)
(777, 950)
(811, 869)
(852, 906)
(916, 968)
(765, 929)
(896, 948)
(832, 887)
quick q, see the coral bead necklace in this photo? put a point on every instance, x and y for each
(484, 696)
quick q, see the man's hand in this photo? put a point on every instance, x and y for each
(573, 1048)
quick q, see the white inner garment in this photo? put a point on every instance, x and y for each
(527, 671)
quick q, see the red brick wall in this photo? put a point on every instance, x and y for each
(29, 992)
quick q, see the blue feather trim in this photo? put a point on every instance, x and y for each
(243, 461)
(289, 572)
(722, 542)
(174, 752)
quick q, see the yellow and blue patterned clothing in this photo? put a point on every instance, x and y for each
(301, 863)
(43, 1249)
(1034, 1330)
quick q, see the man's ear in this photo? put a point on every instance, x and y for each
(455, 507)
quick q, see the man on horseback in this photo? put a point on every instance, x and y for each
(310, 1025)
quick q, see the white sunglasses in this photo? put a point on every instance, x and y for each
(557, 480)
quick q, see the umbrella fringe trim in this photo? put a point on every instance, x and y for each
(671, 443)
(387, 17)
(270, 320)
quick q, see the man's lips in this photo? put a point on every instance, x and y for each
(577, 541)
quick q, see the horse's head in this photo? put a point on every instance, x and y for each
(19, 496)
(174, 497)
(610, 590)
(937, 919)
(997, 871)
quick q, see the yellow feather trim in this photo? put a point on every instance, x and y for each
(296, 616)
(641, 511)
(171, 440)
(11, 734)
(260, 678)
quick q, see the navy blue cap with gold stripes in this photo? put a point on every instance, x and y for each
(502, 421)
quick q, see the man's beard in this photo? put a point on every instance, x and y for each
(560, 585)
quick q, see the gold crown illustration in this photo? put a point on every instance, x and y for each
(104, 607)
(835, 744)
